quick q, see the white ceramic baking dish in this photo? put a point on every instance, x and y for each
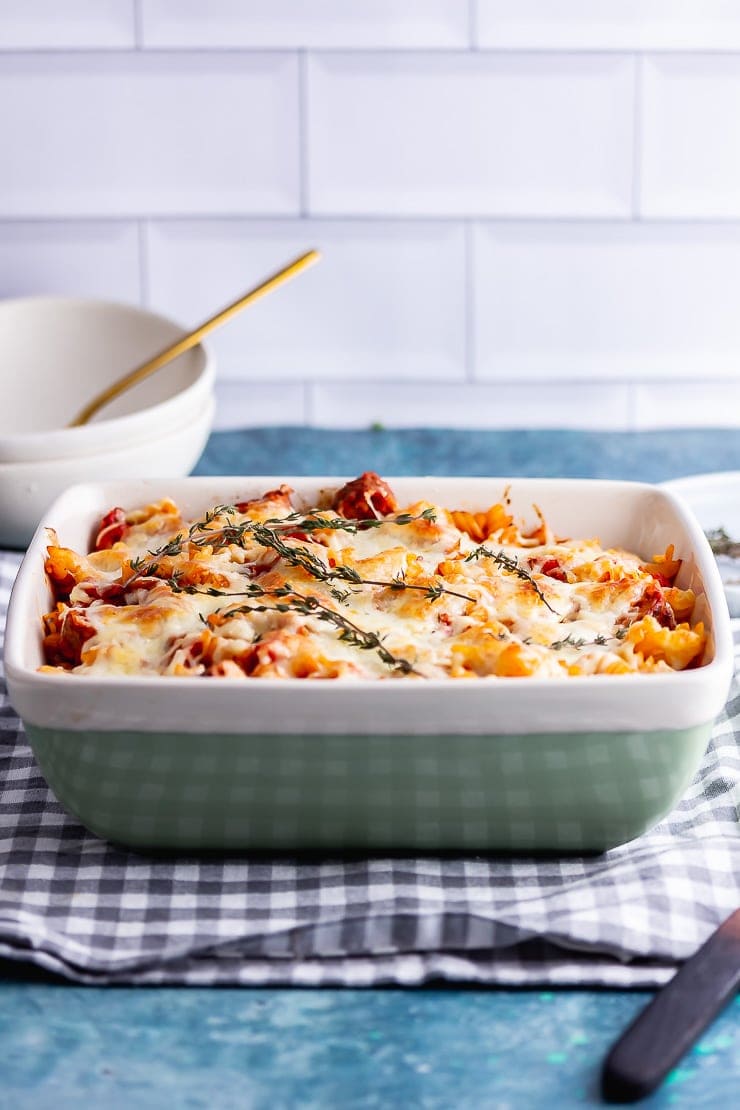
(522, 764)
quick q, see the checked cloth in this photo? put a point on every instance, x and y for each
(94, 913)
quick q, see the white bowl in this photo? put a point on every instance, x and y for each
(28, 488)
(58, 352)
(715, 501)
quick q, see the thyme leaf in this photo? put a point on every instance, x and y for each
(310, 606)
(578, 642)
(271, 534)
(313, 565)
(267, 534)
(202, 535)
(568, 641)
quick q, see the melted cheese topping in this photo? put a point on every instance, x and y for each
(316, 596)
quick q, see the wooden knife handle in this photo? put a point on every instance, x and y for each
(675, 1018)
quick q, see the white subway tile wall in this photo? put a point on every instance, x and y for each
(60, 24)
(70, 258)
(691, 137)
(322, 24)
(476, 406)
(456, 134)
(529, 210)
(387, 301)
(134, 133)
(714, 404)
(608, 24)
(261, 404)
(625, 301)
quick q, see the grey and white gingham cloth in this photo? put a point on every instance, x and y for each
(94, 913)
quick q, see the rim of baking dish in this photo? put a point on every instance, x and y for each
(581, 702)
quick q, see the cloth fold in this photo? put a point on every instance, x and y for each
(96, 913)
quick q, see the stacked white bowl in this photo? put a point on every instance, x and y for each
(57, 353)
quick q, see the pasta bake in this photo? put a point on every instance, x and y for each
(358, 587)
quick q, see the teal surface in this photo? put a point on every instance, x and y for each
(70, 1047)
(640, 456)
(66, 1046)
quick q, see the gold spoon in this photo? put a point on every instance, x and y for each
(193, 337)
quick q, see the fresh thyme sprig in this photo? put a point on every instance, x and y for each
(312, 521)
(568, 641)
(201, 535)
(310, 606)
(140, 566)
(510, 563)
(723, 544)
(312, 564)
(309, 521)
(578, 642)
(265, 533)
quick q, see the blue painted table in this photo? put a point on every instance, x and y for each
(65, 1046)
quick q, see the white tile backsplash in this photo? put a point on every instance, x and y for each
(529, 211)
(608, 24)
(691, 136)
(61, 24)
(462, 133)
(129, 133)
(259, 404)
(74, 258)
(387, 299)
(296, 23)
(630, 302)
(400, 405)
(688, 404)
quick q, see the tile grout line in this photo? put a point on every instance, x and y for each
(499, 220)
(606, 383)
(571, 51)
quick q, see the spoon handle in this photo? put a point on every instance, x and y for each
(194, 337)
(675, 1018)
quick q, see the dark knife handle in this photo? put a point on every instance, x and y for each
(675, 1018)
